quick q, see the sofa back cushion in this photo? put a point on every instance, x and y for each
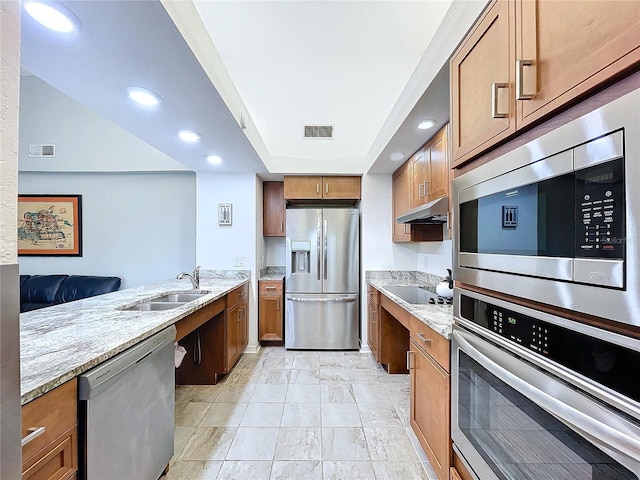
(75, 287)
(40, 288)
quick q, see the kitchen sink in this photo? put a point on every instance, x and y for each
(166, 301)
(180, 297)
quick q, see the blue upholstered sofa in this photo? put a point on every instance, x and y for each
(38, 291)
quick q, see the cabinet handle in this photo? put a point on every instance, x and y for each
(520, 64)
(424, 339)
(425, 187)
(317, 188)
(409, 362)
(326, 188)
(34, 433)
(494, 100)
(271, 287)
(405, 229)
(420, 185)
(282, 226)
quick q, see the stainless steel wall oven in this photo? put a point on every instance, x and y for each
(538, 396)
(556, 220)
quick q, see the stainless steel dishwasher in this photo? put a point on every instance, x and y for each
(127, 409)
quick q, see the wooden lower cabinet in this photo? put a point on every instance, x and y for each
(236, 328)
(270, 318)
(52, 455)
(430, 408)
(373, 322)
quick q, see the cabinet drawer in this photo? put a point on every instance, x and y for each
(55, 411)
(58, 463)
(270, 286)
(431, 342)
(236, 295)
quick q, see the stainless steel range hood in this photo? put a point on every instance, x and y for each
(432, 212)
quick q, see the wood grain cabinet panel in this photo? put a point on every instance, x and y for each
(526, 59)
(373, 322)
(322, 188)
(273, 209)
(270, 304)
(53, 454)
(302, 187)
(341, 188)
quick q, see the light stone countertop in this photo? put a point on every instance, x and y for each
(271, 273)
(60, 342)
(438, 317)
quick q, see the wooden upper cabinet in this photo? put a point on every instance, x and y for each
(401, 202)
(321, 188)
(439, 166)
(419, 177)
(567, 48)
(524, 59)
(273, 209)
(341, 187)
(302, 188)
(482, 79)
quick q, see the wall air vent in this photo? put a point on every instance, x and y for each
(39, 151)
(318, 131)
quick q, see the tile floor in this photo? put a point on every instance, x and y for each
(298, 415)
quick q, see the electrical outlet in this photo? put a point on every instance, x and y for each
(238, 262)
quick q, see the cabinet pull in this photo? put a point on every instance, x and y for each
(34, 433)
(494, 100)
(520, 64)
(270, 287)
(420, 185)
(282, 226)
(197, 350)
(326, 188)
(317, 188)
(424, 339)
(425, 187)
(409, 363)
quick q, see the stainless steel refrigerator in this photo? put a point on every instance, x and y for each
(322, 293)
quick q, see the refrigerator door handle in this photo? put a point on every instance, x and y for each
(325, 249)
(345, 299)
(318, 228)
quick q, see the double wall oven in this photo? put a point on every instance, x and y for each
(545, 351)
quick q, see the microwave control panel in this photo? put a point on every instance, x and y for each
(600, 229)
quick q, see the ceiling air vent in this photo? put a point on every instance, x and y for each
(318, 131)
(38, 151)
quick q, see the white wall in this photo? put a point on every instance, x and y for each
(140, 227)
(218, 247)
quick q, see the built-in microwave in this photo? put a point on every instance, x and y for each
(556, 220)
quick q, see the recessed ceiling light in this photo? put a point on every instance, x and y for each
(214, 159)
(426, 124)
(396, 156)
(189, 136)
(54, 17)
(144, 96)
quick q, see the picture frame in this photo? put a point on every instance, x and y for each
(50, 225)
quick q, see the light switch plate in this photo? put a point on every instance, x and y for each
(238, 262)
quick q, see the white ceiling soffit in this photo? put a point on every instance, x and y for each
(344, 64)
(125, 43)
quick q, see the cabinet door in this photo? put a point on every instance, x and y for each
(341, 188)
(233, 317)
(429, 406)
(243, 326)
(401, 202)
(373, 325)
(567, 47)
(419, 177)
(273, 209)
(302, 188)
(270, 318)
(482, 79)
(439, 167)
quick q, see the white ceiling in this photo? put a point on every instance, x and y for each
(361, 66)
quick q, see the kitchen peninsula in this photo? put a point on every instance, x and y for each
(58, 343)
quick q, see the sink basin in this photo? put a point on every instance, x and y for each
(180, 297)
(154, 306)
(165, 301)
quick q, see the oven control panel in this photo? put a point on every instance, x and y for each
(519, 328)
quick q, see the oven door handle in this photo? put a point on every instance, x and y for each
(608, 439)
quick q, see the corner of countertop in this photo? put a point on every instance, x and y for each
(271, 273)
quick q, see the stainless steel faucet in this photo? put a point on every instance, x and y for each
(194, 277)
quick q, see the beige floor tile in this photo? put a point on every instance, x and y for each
(340, 415)
(368, 393)
(336, 393)
(342, 470)
(253, 443)
(202, 393)
(269, 392)
(189, 414)
(296, 470)
(208, 444)
(262, 415)
(399, 471)
(301, 415)
(303, 393)
(243, 470)
(378, 415)
(181, 436)
(298, 443)
(305, 376)
(344, 444)
(236, 393)
(224, 415)
(390, 444)
(193, 470)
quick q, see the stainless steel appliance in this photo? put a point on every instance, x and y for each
(127, 407)
(537, 396)
(322, 279)
(555, 220)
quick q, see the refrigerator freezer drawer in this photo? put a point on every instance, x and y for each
(322, 322)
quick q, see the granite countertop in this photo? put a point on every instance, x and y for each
(438, 317)
(60, 342)
(271, 273)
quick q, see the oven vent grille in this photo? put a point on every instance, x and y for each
(318, 131)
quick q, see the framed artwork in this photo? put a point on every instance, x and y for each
(50, 225)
